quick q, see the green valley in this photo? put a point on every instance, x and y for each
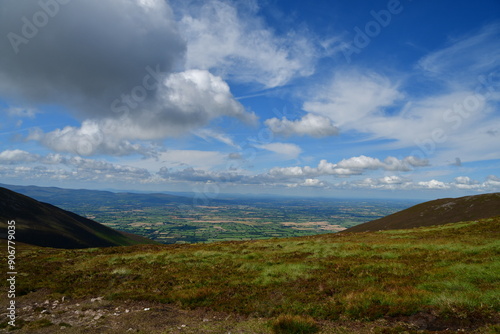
(242, 219)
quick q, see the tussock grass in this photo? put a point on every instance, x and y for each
(447, 271)
(294, 324)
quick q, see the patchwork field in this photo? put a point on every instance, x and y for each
(238, 220)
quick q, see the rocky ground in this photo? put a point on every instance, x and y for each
(96, 315)
(42, 313)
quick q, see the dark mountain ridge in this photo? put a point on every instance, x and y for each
(43, 224)
(437, 212)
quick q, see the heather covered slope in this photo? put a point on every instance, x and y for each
(437, 212)
(442, 278)
(43, 224)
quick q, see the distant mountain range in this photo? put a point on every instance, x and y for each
(437, 212)
(43, 224)
(59, 196)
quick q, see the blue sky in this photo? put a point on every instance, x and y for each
(393, 99)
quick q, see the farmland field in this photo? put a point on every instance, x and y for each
(239, 220)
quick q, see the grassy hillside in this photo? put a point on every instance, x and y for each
(432, 278)
(43, 224)
(437, 212)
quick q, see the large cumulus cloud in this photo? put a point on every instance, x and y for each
(184, 100)
(88, 53)
(117, 64)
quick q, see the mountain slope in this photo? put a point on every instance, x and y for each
(437, 212)
(439, 279)
(43, 224)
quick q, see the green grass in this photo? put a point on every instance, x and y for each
(443, 271)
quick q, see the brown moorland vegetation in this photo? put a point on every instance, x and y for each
(429, 279)
(437, 212)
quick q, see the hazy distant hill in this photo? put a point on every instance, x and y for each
(43, 224)
(61, 196)
(437, 212)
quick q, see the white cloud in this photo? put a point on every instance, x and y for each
(196, 96)
(16, 156)
(395, 182)
(390, 182)
(206, 134)
(196, 175)
(361, 162)
(199, 166)
(351, 166)
(389, 164)
(433, 184)
(493, 182)
(312, 183)
(175, 159)
(230, 39)
(311, 125)
(59, 167)
(351, 97)
(462, 180)
(186, 100)
(125, 81)
(465, 58)
(458, 118)
(289, 151)
(92, 137)
(458, 122)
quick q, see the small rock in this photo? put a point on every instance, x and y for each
(146, 309)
